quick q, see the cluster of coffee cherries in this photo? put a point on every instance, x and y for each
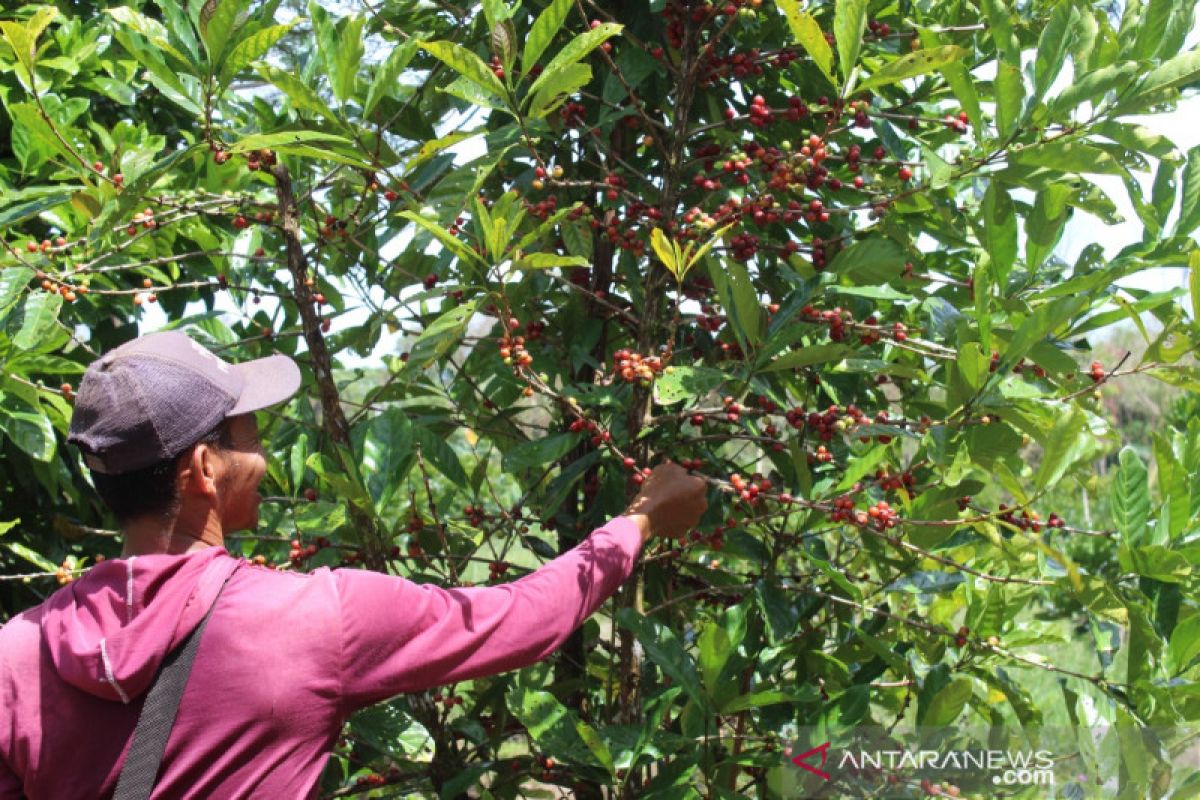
(749, 491)
(598, 438)
(825, 424)
(260, 158)
(512, 349)
(1029, 520)
(822, 456)
(448, 700)
(633, 367)
(889, 482)
(1097, 372)
(496, 569)
(143, 218)
(475, 515)
(69, 293)
(299, 551)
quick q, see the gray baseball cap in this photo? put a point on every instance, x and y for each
(155, 396)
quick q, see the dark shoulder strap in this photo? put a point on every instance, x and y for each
(154, 724)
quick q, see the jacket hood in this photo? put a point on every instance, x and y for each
(109, 631)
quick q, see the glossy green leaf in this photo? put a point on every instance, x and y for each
(30, 431)
(40, 317)
(1131, 498)
(554, 92)
(807, 32)
(387, 75)
(467, 64)
(1052, 48)
(1189, 209)
(252, 48)
(575, 50)
(683, 382)
(539, 452)
(665, 649)
(910, 65)
(870, 261)
(849, 22)
(547, 25)
(945, 706)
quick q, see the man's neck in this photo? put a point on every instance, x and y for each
(175, 536)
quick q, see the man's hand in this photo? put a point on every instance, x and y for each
(670, 503)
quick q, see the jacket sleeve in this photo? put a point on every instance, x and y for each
(11, 787)
(399, 636)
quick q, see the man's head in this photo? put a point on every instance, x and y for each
(168, 430)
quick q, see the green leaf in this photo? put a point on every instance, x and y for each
(252, 48)
(1154, 561)
(1194, 282)
(30, 431)
(714, 651)
(1185, 645)
(436, 451)
(918, 62)
(278, 139)
(555, 728)
(5, 527)
(554, 92)
(548, 261)
(217, 29)
(871, 261)
(947, 703)
(1047, 318)
(973, 364)
(1189, 209)
(1068, 156)
(22, 38)
(575, 50)
(13, 282)
(1094, 86)
(41, 314)
(1010, 95)
(1067, 442)
(301, 95)
(544, 29)
(455, 246)
(539, 452)
(1179, 71)
(19, 212)
(960, 81)
(808, 33)
(443, 333)
(32, 556)
(740, 300)
(682, 383)
(1052, 48)
(1044, 226)
(347, 60)
(808, 356)
(387, 75)
(999, 229)
(849, 22)
(1131, 498)
(664, 649)
(467, 64)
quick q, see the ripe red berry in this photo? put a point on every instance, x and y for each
(905, 173)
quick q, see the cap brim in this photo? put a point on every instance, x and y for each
(266, 382)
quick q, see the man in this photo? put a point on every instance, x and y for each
(169, 434)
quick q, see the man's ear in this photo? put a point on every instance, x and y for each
(199, 471)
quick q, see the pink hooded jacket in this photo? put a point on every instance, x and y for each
(285, 659)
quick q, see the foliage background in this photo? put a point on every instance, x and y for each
(386, 123)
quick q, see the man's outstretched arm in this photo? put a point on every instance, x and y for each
(400, 636)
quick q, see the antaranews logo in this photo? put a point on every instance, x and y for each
(880, 763)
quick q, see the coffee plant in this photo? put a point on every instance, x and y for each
(524, 252)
